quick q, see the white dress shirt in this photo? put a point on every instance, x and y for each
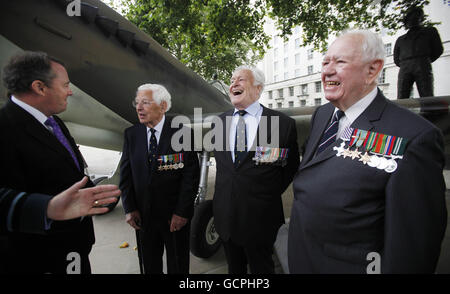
(251, 118)
(354, 111)
(31, 110)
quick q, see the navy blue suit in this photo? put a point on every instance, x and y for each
(344, 209)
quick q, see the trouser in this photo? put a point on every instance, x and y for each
(258, 258)
(415, 70)
(154, 238)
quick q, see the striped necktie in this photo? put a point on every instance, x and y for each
(240, 144)
(329, 136)
(51, 122)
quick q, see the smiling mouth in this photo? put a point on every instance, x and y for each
(332, 83)
(237, 92)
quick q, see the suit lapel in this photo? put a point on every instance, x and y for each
(322, 121)
(364, 121)
(36, 130)
(165, 138)
(226, 138)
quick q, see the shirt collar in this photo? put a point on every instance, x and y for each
(252, 109)
(30, 109)
(159, 126)
(356, 109)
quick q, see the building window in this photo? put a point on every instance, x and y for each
(310, 69)
(275, 78)
(297, 72)
(388, 48)
(286, 48)
(382, 77)
(275, 53)
(303, 102)
(286, 75)
(280, 93)
(275, 66)
(310, 54)
(291, 91)
(318, 87)
(275, 40)
(291, 103)
(270, 95)
(317, 101)
(304, 89)
(297, 59)
(286, 62)
(279, 105)
(270, 105)
(297, 43)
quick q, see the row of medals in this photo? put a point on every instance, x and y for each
(171, 166)
(387, 164)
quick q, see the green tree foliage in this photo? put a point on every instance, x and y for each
(209, 36)
(215, 36)
(318, 19)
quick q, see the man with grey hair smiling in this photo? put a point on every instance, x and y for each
(369, 196)
(159, 184)
(252, 174)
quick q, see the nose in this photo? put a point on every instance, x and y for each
(70, 93)
(328, 69)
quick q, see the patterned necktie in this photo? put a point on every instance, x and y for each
(240, 146)
(329, 136)
(152, 148)
(51, 122)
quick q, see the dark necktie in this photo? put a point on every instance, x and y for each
(329, 136)
(240, 146)
(152, 148)
(51, 122)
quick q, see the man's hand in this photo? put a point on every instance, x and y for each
(134, 219)
(76, 202)
(177, 223)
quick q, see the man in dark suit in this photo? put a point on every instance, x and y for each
(159, 183)
(71, 203)
(372, 200)
(256, 165)
(38, 155)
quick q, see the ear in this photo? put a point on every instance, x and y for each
(374, 68)
(38, 87)
(163, 106)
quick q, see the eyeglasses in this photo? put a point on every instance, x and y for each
(143, 102)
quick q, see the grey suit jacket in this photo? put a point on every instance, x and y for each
(344, 209)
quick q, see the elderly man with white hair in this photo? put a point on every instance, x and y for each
(159, 184)
(369, 196)
(256, 165)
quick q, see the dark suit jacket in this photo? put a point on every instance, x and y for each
(36, 210)
(343, 209)
(247, 200)
(34, 161)
(155, 193)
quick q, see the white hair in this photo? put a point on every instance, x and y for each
(258, 75)
(372, 46)
(159, 92)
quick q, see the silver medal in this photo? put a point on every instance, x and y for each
(392, 166)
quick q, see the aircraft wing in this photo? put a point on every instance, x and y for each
(107, 58)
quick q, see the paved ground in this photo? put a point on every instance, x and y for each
(111, 231)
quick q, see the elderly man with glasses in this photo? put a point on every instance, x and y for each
(159, 184)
